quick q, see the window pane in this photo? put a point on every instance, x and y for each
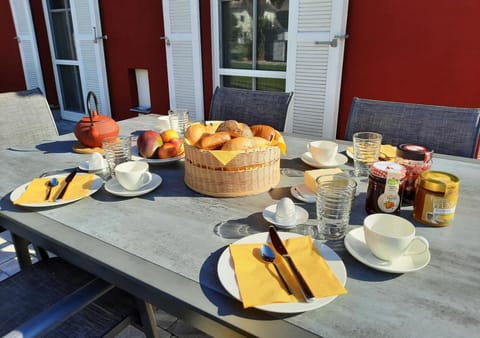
(69, 77)
(236, 34)
(254, 37)
(268, 84)
(62, 31)
(272, 28)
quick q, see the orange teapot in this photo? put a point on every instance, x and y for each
(91, 130)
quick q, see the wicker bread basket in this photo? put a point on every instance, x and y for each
(250, 172)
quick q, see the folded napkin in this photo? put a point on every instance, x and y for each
(259, 282)
(37, 189)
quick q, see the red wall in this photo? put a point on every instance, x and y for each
(134, 29)
(11, 70)
(412, 51)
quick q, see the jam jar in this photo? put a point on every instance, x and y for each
(436, 198)
(416, 159)
(385, 188)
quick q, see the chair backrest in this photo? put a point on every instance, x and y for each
(26, 119)
(446, 130)
(250, 107)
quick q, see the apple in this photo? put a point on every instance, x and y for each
(168, 135)
(178, 143)
(148, 142)
(167, 150)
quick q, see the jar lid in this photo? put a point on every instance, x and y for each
(381, 169)
(438, 181)
(414, 152)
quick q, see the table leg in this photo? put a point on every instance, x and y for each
(21, 248)
(147, 318)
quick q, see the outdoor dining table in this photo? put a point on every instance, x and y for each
(163, 247)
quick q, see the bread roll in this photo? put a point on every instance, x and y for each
(213, 141)
(235, 128)
(243, 143)
(195, 132)
(264, 131)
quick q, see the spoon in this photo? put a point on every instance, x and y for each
(52, 183)
(268, 255)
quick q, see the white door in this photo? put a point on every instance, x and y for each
(27, 43)
(76, 44)
(315, 56)
(184, 60)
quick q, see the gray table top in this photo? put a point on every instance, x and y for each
(164, 247)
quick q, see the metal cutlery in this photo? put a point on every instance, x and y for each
(268, 255)
(280, 248)
(68, 179)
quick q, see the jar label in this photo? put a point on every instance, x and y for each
(389, 201)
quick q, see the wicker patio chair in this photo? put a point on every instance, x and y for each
(26, 121)
(53, 298)
(445, 130)
(250, 107)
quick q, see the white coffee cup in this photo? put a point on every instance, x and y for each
(389, 237)
(133, 175)
(323, 151)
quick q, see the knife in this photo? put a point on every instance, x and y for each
(278, 245)
(68, 179)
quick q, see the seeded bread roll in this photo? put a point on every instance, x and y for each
(235, 128)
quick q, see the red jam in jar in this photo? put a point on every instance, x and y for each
(385, 188)
(416, 159)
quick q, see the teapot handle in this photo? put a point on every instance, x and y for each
(89, 109)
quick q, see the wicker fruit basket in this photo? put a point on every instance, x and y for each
(249, 172)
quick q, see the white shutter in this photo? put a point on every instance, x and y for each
(314, 66)
(87, 27)
(22, 17)
(184, 60)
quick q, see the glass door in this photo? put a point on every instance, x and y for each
(66, 63)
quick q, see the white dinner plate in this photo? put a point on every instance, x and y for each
(301, 216)
(96, 184)
(136, 157)
(302, 193)
(356, 245)
(113, 187)
(340, 159)
(226, 274)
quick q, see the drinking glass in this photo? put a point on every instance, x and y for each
(366, 150)
(335, 194)
(117, 150)
(179, 120)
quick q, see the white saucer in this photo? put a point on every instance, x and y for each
(356, 245)
(302, 193)
(86, 167)
(340, 159)
(269, 215)
(113, 187)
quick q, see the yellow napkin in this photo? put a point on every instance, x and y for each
(225, 156)
(37, 189)
(259, 282)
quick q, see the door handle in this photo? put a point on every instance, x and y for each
(333, 42)
(167, 40)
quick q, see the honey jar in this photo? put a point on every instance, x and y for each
(415, 159)
(436, 198)
(385, 188)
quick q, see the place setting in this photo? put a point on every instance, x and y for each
(316, 278)
(323, 154)
(55, 190)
